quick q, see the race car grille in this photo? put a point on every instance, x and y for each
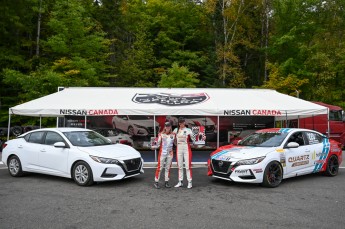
(221, 166)
(132, 164)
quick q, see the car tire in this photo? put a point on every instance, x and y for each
(15, 167)
(130, 131)
(332, 168)
(273, 175)
(16, 131)
(82, 174)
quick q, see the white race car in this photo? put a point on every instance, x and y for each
(135, 125)
(268, 156)
(81, 154)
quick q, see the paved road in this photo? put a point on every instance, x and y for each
(40, 201)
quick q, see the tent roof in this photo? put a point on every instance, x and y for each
(168, 101)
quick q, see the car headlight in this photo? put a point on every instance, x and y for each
(105, 160)
(138, 126)
(251, 161)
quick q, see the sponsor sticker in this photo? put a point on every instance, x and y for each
(242, 171)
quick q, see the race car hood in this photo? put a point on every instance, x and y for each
(116, 151)
(240, 153)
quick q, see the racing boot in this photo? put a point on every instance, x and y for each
(167, 185)
(179, 184)
(189, 184)
(156, 185)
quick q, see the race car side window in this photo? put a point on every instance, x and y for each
(298, 138)
(313, 138)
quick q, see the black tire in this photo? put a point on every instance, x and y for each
(273, 175)
(16, 131)
(332, 166)
(82, 174)
(15, 167)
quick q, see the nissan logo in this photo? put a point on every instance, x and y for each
(220, 163)
(133, 162)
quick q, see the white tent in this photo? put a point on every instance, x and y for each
(166, 101)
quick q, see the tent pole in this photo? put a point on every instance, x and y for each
(154, 134)
(85, 121)
(218, 131)
(9, 124)
(286, 119)
(328, 126)
(40, 122)
(298, 121)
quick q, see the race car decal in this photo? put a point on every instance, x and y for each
(220, 154)
(323, 156)
(285, 130)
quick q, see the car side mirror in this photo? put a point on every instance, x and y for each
(60, 145)
(292, 145)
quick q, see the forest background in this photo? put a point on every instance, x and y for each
(293, 46)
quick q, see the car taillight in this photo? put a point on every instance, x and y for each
(4, 145)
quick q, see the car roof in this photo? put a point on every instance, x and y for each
(59, 129)
(284, 130)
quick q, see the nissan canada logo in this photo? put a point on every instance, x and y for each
(171, 99)
(220, 163)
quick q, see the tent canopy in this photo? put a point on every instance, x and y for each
(169, 101)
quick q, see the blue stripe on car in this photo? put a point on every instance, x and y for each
(324, 155)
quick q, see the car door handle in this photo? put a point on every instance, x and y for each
(43, 150)
(307, 151)
(20, 146)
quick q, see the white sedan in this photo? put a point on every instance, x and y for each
(270, 155)
(81, 154)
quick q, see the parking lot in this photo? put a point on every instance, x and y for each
(40, 201)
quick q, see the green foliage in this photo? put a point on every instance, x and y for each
(290, 84)
(178, 77)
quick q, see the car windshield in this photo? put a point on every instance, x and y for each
(86, 138)
(264, 139)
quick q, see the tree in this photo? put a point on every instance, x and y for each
(235, 33)
(178, 77)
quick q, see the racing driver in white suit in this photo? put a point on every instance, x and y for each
(184, 152)
(165, 141)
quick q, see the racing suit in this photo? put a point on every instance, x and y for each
(184, 152)
(165, 142)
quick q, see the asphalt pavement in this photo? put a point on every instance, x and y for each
(40, 201)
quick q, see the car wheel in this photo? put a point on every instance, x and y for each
(130, 131)
(16, 130)
(332, 166)
(82, 174)
(273, 175)
(15, 167)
